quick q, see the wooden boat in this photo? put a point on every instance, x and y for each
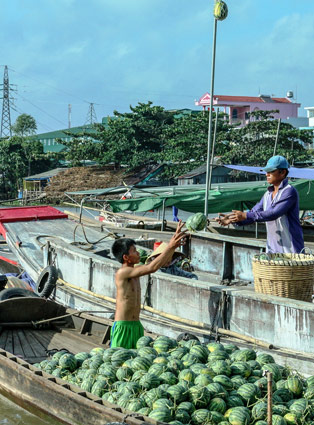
(32, 329)
(223, 297)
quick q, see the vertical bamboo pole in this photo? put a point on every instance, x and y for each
(269, 398)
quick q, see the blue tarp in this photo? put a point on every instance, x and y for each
(298, 173)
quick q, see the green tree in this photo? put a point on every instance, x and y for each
(254, 143)
(79, 149)
(134, 138)
(185, 146)
(25, 125)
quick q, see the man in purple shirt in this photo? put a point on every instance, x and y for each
(279, 209)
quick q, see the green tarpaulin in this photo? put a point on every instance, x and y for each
(223, 199)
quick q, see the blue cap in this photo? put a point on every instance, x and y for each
(276, 162)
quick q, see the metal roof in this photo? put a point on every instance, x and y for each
(46, 175)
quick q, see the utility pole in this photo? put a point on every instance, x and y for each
(6, 117)
(91, 115)
(69, 115)
(220, 13)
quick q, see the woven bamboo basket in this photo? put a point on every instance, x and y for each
(284, 275)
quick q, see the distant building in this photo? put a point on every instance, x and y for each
(220, 174)
(239, 107)
(49, 140)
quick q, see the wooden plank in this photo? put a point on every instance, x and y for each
(3, 338)
(18, 349)
(27, 347)
(38, 348)
(9, 342)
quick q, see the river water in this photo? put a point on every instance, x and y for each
(12, 414)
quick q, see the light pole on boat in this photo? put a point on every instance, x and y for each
(220, 13)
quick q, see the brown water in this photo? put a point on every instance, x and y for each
(12, 414)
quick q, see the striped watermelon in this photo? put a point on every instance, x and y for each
(136, 404)
(168, 378)
(162, 414)
(87, 384)
(200, 351)
(213, 346)
(162, 345)
(158, 369)
(261, 423)
(153, 395)
(196, 222)
(221, 367)
(241, 368)
(291, 418)
(190, 343)
(58, 354)
(137, 375)
(96, 361)
(189, 359)
(201, 416)
(217, 355)
(295, 385)
(141, 363)
(60, 373)
(203, 380)
(265, 359)
(68, 361)
(254, 365)
(284, 394)
(99, 387)
(144, 341)
(187, 375)
(179, 352)
(123, 400)
(144, 351)
(97, 350)
(309, 381)
(183, 416)
(239, 416)
(161, 359)
(234, 401)
(175, 365)
(278, 420)
(225, 381)
(309, 393)
(124, 373)
(199, 396)
(80, 357)
(249, 392)
(298, 407)
(188, 406)
(108, 353)
(238, 380)
(217, 404)
(120, 356)
(163, 402)
(243, 355)
(230, 348)
(178, 393)
(217, 390)
(144, 411)
(274, 369)
(280, 409)
(259, 410)
(149, 381)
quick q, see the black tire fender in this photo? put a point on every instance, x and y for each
(6, 294)
(47, 281)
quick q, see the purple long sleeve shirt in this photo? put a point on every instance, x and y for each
(281, 215)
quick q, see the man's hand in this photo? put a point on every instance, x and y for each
(179, 236)
(223, 219)
(237, 216)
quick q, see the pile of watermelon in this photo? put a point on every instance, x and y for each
(188, 382)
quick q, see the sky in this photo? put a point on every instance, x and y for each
(117, 53)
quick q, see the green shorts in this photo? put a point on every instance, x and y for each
(126, 333)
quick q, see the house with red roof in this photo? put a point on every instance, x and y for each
(239, 107)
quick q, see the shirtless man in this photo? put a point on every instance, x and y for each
(127, 328)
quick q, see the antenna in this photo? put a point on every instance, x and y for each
(6, 117)
(69, 114)
(91, 115)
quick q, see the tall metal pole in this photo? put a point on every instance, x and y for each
(209, 139)
(277, 135)
(213, 152)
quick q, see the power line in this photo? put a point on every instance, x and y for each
(42, 110)
(15, 109)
